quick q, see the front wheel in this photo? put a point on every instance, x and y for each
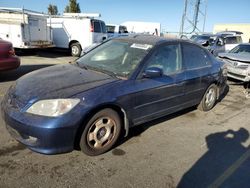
(101, 132)
(209, 99)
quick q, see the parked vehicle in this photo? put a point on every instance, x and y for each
(123, 82)
(76, 31)
(115, 30)
(238, 62)
(202, 39)
(224, 41)
(8, 59)
(152, 28)
(24, 28)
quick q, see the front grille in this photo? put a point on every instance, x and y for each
(237, 64)
(236, 75)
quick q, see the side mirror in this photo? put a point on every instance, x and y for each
(205, 43)
(220, 42)
(153, 72)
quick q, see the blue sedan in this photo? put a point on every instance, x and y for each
(122, 83)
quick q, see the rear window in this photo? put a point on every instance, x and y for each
(104, 28)
(98, 26)
(233, 40)
(195, 57)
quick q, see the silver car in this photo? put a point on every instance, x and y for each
(238, 62)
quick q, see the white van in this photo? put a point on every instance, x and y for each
(115, 30)
(77, 31)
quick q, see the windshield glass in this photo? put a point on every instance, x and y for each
(115, 57)
(241, 49)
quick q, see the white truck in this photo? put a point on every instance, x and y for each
(152, 28)
(25, 28)
(115, 30)
(77, 31)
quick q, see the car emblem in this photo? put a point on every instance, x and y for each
(235, 64)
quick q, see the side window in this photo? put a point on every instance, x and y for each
(33, 22)
(167, 58)
(104, 29)
(97, 27)
(195, 57)
(239, 39)
(110, 29)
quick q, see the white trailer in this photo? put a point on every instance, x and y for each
(77, 31)
(25, 28)
(152, 28)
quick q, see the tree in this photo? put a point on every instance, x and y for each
(73, 7)
(52, 9)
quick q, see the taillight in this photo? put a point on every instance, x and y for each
(91, 27)
(11, 52)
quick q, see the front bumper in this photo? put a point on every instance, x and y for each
(237, 71)
(44, 135)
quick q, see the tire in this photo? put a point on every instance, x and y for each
(101, 132)
(75, 49)
(209, 99)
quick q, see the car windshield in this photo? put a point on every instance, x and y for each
(115, 57)
(241, 49)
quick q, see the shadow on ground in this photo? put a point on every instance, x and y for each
(225, 164)
(22, 70)
(47, 53)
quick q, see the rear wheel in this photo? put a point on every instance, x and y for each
(209, 99)
(75, 49)
(101, 132)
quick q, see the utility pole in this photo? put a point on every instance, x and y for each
(194, 17)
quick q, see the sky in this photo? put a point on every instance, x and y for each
(166, 12)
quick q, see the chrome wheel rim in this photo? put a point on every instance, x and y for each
(101, 133)
(210, 97)
(75, 50)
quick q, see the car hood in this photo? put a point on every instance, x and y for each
(243, 57)
(60, 81)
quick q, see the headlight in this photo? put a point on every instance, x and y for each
(53, 107)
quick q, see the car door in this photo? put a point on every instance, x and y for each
(162, 95)
(218, 46)
(198, 72)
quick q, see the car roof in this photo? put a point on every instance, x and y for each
(244, 44)
(146, 39)
(230, 32)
